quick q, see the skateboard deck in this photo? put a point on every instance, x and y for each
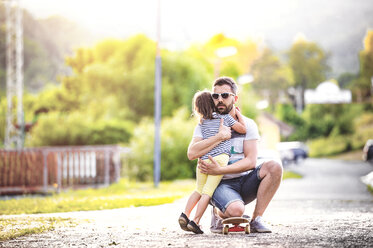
(233, 225)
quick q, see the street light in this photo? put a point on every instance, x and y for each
(371, 94)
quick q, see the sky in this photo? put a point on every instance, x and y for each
(338, 26)
(182, 21)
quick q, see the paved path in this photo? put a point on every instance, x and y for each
(329, 207)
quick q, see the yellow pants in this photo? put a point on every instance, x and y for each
(206, 184)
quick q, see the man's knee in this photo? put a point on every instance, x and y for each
(273, 168)
(276, 168)
(235, 209)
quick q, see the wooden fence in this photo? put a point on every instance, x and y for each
(50, 169)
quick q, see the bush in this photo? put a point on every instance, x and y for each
(334, 144)
(110, 132)
(288, 114)
(60, 129)
(364, 130)
(176, 133)
(329, 146)
(331, 119)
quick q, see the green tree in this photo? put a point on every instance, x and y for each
(345, 80)
(309, 65)
(287, 114)
(362, 86)
(271, 77)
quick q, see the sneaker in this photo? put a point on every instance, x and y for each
(216, 223)
(258, 226)
(192, 226)
(183, 222)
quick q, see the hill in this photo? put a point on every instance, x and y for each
(46, 44)
(339, 27)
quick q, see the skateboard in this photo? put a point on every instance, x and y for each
(233, 225)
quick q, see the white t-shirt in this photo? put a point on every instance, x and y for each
(237, 139)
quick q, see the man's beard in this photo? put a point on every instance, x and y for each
(226, 110)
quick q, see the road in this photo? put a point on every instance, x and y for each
(328, 207)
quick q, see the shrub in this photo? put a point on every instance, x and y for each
(364, 130)
(110, 132)
(59, 129)
(329, 146)
(176, 133)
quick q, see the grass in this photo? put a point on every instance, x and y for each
(291, 174)
(14, 227)
(119, 195)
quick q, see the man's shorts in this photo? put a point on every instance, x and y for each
(244, 189)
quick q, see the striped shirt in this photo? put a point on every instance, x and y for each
(237, 140)
(210, 127)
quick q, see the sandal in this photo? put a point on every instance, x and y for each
(194, 227)
(183, 222)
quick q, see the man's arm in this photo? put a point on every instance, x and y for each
(245, 164)
(199, 147)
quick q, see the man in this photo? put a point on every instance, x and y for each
(245, 179)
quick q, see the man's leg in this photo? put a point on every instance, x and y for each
(271, 176)
(226, 201)
(234, 209)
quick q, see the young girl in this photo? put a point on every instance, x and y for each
(204, 107)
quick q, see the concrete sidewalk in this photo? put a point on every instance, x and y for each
(329, 207)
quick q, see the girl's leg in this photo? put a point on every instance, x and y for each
(208, 189)
(211, 183)
(201, 208)
(192, 201)
(196, 195)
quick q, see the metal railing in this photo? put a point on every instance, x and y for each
(50, 169)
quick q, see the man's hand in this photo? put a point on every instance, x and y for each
(224, 131)
(212, 168)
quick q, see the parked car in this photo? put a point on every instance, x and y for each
(292, 152)
(368, 151)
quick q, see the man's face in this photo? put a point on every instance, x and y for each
(224, 105)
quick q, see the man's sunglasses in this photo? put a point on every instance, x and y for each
(223, 95)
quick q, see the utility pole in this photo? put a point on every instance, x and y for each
(157, 102)
(14, 130)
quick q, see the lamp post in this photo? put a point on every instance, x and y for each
(371, 86)
(157, 103)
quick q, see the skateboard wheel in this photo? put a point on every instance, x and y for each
(247, 229)
(226, 230)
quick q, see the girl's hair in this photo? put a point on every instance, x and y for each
(203, 105)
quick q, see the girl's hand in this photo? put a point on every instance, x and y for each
(212, 168)
(224, 131)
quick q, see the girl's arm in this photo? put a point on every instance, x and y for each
(239, 126)
(250, 148)
(199, 146)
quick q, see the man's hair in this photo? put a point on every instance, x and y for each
(203, 105)
(228, 81)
